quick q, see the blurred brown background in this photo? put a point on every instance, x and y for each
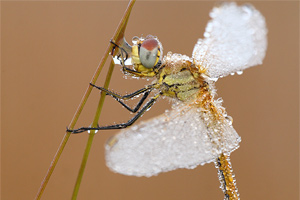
(50, 51)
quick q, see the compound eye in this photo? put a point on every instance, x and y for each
(148, 52)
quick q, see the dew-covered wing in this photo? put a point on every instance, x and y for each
(235, 39)
(177, 139)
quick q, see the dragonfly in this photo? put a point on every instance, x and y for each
(197, 130)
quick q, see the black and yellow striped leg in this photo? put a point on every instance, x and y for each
(122, 125)
(118, 97)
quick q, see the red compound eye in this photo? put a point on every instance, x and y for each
(150, 44)
(148, 52)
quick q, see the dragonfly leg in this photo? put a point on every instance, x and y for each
(131, 71)
(122, 52)
(118, 97)
(122, 57)
(122, 125)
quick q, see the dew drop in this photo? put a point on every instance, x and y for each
(134, 128)
(229, 119)
(220, 100)
(213, 79)
(128, 61)
(89, 131)
(239, 72)
(206, 34)
(116, 60)
(135, 40)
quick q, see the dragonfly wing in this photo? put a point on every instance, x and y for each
(235, 39)
(177, 139)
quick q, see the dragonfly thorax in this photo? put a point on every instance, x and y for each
(179, 78)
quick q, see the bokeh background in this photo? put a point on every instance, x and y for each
(50, 51)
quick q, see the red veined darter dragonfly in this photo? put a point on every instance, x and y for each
(197, 130)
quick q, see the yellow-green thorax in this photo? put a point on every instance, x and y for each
(178, 78)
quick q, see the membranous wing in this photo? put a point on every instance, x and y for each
(235, 39)
(176, 139)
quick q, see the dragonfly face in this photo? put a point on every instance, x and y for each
(146, 55)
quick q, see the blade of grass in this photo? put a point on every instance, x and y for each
(92, 133)
(119, 34)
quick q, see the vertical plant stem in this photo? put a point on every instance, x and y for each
(92, 133)
(117, 36)
(52, 166)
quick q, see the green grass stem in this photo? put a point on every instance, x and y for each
(119, 34)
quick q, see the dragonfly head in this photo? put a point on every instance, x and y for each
(146, 55)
